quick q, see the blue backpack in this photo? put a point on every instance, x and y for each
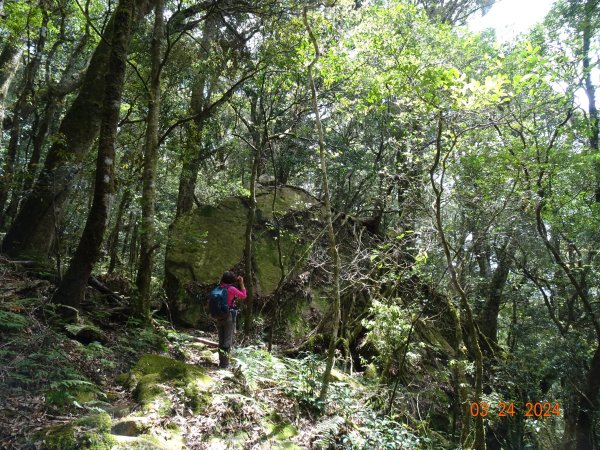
(217, 303)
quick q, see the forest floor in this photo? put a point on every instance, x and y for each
(108, 383)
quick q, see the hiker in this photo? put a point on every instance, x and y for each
(226, 323)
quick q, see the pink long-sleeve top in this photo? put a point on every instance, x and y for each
(233, 293)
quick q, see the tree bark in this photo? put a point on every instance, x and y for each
(72, 287)
(113, 249)
(33, 231)
(327, 216)
(148, 228)
(488, 316)
(10, 59)
(201, 95)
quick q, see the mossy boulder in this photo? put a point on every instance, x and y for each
(131, 426)
(152, 373)
(210, 240)
(87, 333)
(90, 432)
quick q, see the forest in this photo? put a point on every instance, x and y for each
(411, 207)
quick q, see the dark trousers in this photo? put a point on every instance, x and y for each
(226, 329)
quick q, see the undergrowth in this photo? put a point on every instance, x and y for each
(43, 362)
(345, 421)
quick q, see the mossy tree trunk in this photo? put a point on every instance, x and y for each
(148, 228)
(33, 231)
(327, 216)
(72, 287)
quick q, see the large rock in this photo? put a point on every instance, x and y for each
(210, 240)
(152, 373)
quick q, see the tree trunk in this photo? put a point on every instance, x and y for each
(590, 91)
(473, 341)
(133, 248)
(488, 316)
(201, 94)
(25, 91)
(32, 233)
(9, 63)
(148, 229)
(248, 253)
(187, 183)
(326, 211)
(72, 287)
(69, 82)
(579, 421)
(113, 249)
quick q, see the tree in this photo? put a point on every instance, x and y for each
(32, 232)
(19, 114)
(327, 214)
(148, 232)
(71, 290)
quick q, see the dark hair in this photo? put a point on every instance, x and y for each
(228, 278)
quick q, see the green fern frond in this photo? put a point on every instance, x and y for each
(327, 432)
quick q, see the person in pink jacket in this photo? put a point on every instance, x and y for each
(226, 326)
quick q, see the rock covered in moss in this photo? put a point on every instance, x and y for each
(130, 426)
(152, 373)
(210, 240)
(91, 432)
(86, 333)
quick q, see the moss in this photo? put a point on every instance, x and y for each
(96, 441)
(85, 396)
(279, 432)
(282, 431)
(122, 379)
(90, 432)
(148, 390)
(320, 301)
(152, 371)
(288, 199)
(209, 240)
(100, 421)
(208, 356)
(341, 377)
(60, 437)
(134, 443)
(371, 374)
(150, 363)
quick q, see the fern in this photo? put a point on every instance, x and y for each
(74, 328)
(327, 432)
(71, 384)
(258, 366)
(10, 321)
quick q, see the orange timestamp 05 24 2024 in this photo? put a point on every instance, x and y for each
(508, 409)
